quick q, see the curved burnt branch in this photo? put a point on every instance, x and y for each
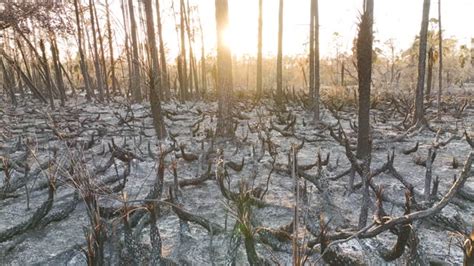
(211, 227)
(411, 150)
(35, 220)
(208, 175)
(189, 157)
(403, 233)
(469, 139)
(374, 230)
(63, 213)
(236, 167)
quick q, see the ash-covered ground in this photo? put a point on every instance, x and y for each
(38, 144)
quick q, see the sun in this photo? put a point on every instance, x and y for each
(240, 42)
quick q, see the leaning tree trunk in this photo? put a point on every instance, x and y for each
(419, 117)
(224, 73)
(155, 75)
(440, 48)
(135, 78)
(259, 53)
(280, 55)
(364, 71)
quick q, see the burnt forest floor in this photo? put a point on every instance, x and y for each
(53, 160)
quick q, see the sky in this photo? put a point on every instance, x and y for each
(399, 20)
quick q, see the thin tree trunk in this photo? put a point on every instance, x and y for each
(104, 73)
(83, 63)
(195, 75)
(73, 90)
(440, 48)
(317, 79)
(430, 73)
(129, 92)
(155, 75)
(192, 61)
(164, 69)
(8, 83)
(224, 73)
(135, 78)
(98, 71)
(203, 62)
(343, 71)
(280, 54)
(259, 53)
(111, 48)
(57, 69)
(184, 75)
(419, 117)
(311, 51)
(49, 85)
(364, 69)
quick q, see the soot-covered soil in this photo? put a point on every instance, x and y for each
(38, 144)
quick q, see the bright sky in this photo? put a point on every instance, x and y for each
(399, 20)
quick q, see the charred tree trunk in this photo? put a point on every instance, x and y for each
(98, 70)
(49, 83)
(155, 75)
(311, 51)
(135, 78)
(8, 82)
(102, 55)
(192, 62)
(184, 72)
(343, 71)
(440, 49)
(57, 69)
(430, 73)
(85, 74)
(279, 77)
(224, 73)
(259, 47)
(203, 63)
(364, 70)
(315, 60)
(165, 82)
(129, 91)
(419, 117)
(111, 48)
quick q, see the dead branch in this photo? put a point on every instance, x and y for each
(211, 227)
(35, 220)
(234, 166)
(189, 157)
(411, 150)
(208, 175)
(374, 230)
